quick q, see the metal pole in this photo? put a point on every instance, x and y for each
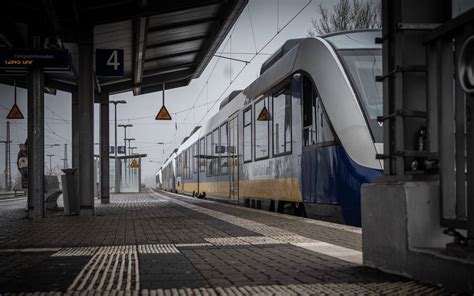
(9, 164)
(36, 139)
(125, 159)
(65, 156)
(117, 184)
(85, 88)
(50, 164)
(5, 171)
(104, 150)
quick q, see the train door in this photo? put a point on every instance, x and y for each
(318, 140)
(233, 155)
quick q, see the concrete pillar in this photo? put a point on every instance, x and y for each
(36, 140)
(104, 150)
(86, 122)
(75, 129)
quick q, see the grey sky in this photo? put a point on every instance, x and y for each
(140, 111)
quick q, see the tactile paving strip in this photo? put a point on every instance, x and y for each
(157, 249)
(85, 251)
(243, 241)
(112, 268)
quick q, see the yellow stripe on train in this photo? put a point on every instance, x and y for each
(287, 189)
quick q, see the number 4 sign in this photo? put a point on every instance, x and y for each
(109, 62)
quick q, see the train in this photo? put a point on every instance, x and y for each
(301, 139)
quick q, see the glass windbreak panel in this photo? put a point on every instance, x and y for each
(248, 135)
(202, 152)
(112, 175)
(282, 122)
(215, 151)
(129, 178)
(261, 130)
(224, 147)
(363, 66)
(209, 155)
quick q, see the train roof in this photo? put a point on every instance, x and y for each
(188, 141)
(354, 39)
(298, 55)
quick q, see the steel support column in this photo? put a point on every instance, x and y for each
(86, 122)
(36, 140)
(75, 129)
(104, 150)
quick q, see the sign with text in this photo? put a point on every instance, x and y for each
(24, 59)
(109, 62)
(121, 149)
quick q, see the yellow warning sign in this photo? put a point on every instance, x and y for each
(15, 113)
(264, 115)
(134, 164)
(163, 114)
(5, 172)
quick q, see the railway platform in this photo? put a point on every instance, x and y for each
(157, 243)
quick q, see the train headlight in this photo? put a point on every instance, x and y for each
(466, 65)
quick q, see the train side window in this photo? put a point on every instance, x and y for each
(324, 131)
(202, 153)
(317, 129)
(195, 159)
(183, 165)
(216, 152)
(282, 122)
(209, 155)
(261, 130)
(248, 135)
(190, 163)
(309, 113)
(223, 148)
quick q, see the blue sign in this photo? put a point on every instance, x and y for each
(109, 62)
(121, 149)
(112, 150)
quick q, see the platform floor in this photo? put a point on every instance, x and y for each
(165, 244)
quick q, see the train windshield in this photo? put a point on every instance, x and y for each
(363, 65)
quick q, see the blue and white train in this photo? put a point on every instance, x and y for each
(303, 137)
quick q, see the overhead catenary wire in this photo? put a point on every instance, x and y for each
(250, 61)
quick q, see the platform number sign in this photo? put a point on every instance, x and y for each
(109, 62)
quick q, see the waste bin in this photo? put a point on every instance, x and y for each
(71, 199)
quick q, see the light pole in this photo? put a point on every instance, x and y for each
(131, 149)
(50, 164)
(125, 134)
(129, 140)
(117, 163)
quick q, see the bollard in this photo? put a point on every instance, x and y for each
(71, 200)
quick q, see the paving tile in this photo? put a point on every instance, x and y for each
(155, 244)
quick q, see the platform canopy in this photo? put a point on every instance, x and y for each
(167, 42)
